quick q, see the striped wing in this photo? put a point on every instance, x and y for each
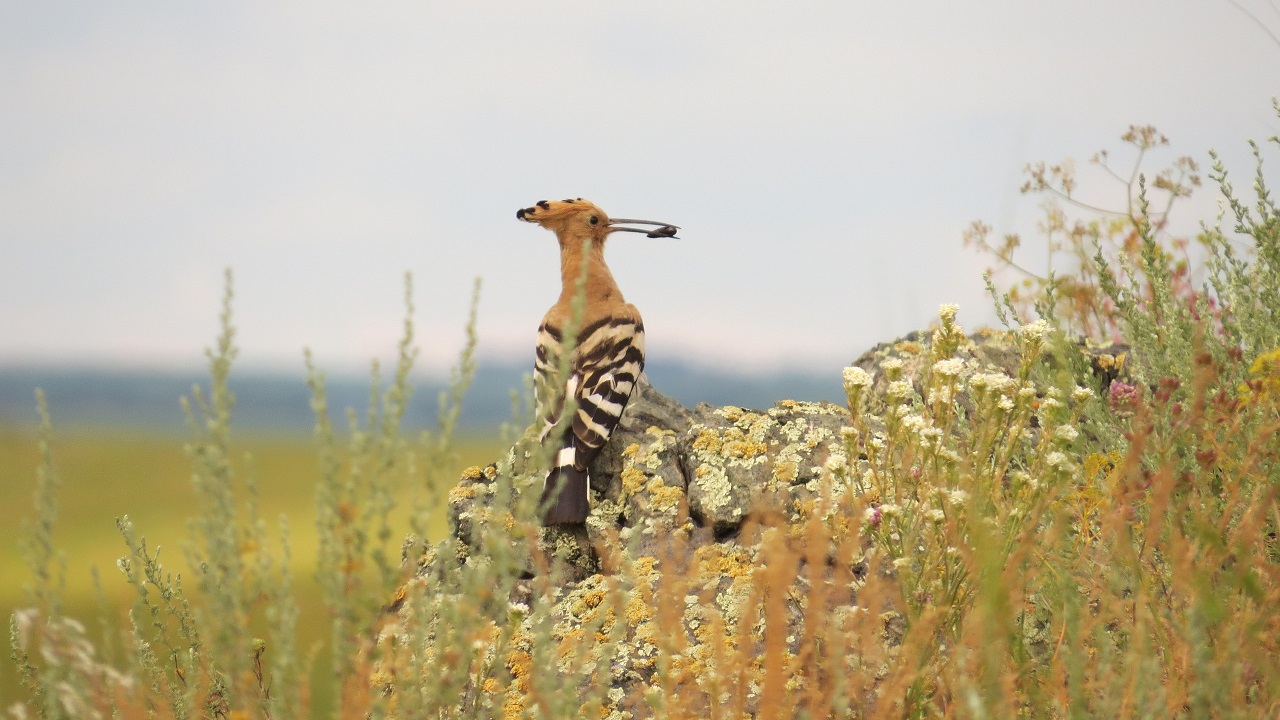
(602, 374)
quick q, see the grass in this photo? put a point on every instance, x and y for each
(109, 473)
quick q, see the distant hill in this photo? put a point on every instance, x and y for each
(281, 402)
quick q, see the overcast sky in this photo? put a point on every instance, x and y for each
(822, 158)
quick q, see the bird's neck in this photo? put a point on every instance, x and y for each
(600, 285)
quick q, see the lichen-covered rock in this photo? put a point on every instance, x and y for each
(669, 472)
(700, 518)
(674, 495)
(739, 460)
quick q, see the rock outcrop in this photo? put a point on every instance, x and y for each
(709, 507)
(670, 471)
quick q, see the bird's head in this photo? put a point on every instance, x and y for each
(578, 218)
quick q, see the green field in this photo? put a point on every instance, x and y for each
(106, 474)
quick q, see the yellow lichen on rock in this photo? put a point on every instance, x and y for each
(652, 455)
(462, 492)
(730, 413)
(716, 561)
(638, 611)
(785, 471)
(908, 347)
(708, 441)
(633, 480)
(665, 499)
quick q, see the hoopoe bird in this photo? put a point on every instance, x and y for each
(606, 361)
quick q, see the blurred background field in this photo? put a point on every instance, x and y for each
(109, 472)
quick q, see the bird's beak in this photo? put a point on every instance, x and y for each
(663, 230)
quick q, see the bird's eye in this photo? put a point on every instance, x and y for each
(594, 220)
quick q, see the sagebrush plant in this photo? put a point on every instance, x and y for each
(1019, 540)
(1178, 555)
(1070, 277)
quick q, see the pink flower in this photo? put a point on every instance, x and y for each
(1122, 396)
(872, 515)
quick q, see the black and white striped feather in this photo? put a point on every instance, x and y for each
(603, 370)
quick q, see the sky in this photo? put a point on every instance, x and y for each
(822, 159)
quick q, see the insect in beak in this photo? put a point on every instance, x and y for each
(666, 230)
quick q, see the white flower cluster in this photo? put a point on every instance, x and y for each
(949, 455)
(891, 366)
(914, 422)
(898, 390)
(926, 431)
(950, 367)
(947, 312)
(1035, 331)
(944, 394)
(855, 378)
(995, 382)
(1050, 403)
(1080, 394)
(1066, 433)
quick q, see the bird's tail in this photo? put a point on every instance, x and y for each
(570, 504)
